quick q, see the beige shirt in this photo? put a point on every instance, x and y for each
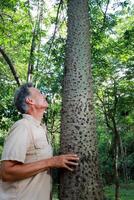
(27, 142)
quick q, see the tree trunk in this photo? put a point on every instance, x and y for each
(78, 119)
(117, 180)
(117, 147)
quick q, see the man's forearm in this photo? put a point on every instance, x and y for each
(13, 171)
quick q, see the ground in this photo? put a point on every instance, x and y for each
(127, 192)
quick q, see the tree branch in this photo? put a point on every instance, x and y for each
(105, 112)
(33, 43)
(55, 29)
(8, 61)
(104, 19)
(104, 13)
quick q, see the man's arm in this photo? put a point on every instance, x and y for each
(13, 170)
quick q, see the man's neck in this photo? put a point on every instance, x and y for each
(36, 115)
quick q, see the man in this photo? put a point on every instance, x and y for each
(27, 155)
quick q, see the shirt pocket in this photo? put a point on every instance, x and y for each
(31, 154)
(40, 143)
(43, 149)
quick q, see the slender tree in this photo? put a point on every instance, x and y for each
(78, 120)
(36, 41)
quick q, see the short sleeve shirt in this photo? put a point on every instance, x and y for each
(27, 142)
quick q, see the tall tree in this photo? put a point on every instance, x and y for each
(78, 119)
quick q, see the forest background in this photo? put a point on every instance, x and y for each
(32, 48)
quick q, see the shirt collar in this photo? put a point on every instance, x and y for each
(32, 119)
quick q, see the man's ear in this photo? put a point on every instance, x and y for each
(29, 101)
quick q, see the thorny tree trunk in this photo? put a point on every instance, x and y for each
(78, 120)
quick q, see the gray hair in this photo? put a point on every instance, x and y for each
(20, 97)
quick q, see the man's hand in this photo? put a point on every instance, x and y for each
(64, 161)
(13, 170)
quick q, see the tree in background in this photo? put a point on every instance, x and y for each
(112, 62)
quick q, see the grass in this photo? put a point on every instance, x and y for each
(126, 192)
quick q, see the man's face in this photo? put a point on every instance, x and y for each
(39, 100)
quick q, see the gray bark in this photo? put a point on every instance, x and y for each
(78, 120)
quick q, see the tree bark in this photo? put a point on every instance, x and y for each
(78, 120)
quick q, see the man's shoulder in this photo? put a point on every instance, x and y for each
(20, 123)
(19, 127)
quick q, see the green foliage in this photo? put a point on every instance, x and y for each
(15, 36)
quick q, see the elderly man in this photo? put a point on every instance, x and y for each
(27, 155)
